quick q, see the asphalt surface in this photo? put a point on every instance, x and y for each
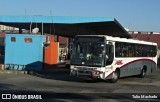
(58, 82)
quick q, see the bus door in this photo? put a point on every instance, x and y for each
(109, 53)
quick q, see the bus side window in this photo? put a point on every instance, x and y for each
(117, 49)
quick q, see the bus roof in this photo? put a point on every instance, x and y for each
(118, 39)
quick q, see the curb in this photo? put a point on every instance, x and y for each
(13, 72)
(54, 71)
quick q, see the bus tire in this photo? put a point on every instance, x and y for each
(115, 77)
(143, 73)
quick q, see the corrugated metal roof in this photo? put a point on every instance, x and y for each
(148, 37)
(53, 19)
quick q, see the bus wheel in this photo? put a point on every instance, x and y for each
(115, 77)
(143, 73)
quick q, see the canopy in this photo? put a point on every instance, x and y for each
(68, 26)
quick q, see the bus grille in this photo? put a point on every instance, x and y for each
(84, 72)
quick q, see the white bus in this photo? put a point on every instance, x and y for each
(105, 57)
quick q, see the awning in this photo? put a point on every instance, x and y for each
(68, 26)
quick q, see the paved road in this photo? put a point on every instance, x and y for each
(61, 82)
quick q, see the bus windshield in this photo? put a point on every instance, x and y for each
(88, 53)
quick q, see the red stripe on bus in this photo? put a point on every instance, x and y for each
(109, 75)
(130, 63)
(137, 61)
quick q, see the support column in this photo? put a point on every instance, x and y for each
(57, 38)
(70, 41)
(20, 31)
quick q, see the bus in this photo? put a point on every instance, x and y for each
(110, 58)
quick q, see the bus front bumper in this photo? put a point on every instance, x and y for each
(86, 74)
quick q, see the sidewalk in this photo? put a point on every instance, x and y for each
(48, 71)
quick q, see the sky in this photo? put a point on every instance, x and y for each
(137, 15)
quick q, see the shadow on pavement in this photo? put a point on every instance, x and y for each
(5, 86)
(62, 74)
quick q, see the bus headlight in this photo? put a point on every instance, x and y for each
(72, 67)
(94, 72)
(97, 72)
(73, 73)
